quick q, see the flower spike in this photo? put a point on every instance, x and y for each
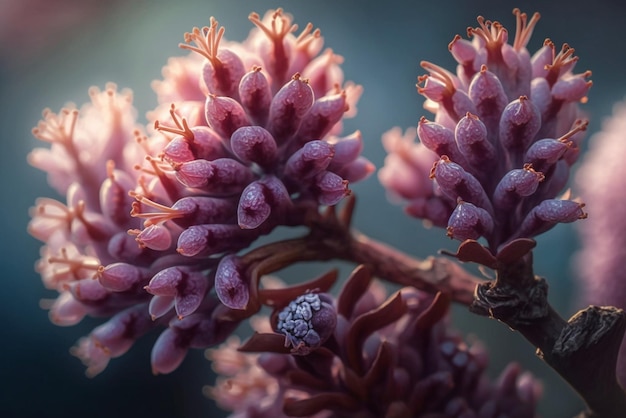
(159, 213)
(507, 131)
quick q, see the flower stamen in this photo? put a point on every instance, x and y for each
(165, 213)
(437, 73)
(207, 40)
(492, 33)
(277, 32)
(280, 27)
(579, 126)
(57, 128)
(182, 128)
(524, 29)
(63, 212)
(74, 266)
(564, 59)
(306, 37)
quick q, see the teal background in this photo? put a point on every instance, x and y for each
(128, 43)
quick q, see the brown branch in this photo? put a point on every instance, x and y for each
(330, 237)
(434, 274)
(582, 350)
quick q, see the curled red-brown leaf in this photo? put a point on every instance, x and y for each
(381, 366)
(265, 342)
(314, 404)
(472, 250)
(301, 378)
(515, 250)
(367, 323)
(434, 313)
(353, 289)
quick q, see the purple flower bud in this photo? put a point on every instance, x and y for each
(195, 210)
(323, 72)
(307, 322)
(488, 95)
(460, 105)
(557, 180)
(187, 211)
(119, 333)
(206, 144)
(456, 183)
(87, 226)
(112, 339)
(202, 143)
(357, 170)
(310, 160)
(259, 199)
(515, 185)
(330, 188)
(164, 283)
(573, 88)
(254, 209)
(225, 115)
(462, 50)
(519, 124)
(88, 291)
(469, 222)
(114, 198)
(66, 310)
(439, 139)
(473, 142)
(544, 153)
(540, 92)
(231, 283)
(322, 116)
(549, 213)
(194, 331)
(186, 288)
(210, 239)
(168, 352)
(254, 144)
(120, 277)
(194, 173)
(288, 107)
(434, 210)
(542, 59)
(255, 94)
(223, 73)
(123, 247)
(347, 149)
(440, 86)
(178, 150)
(221, 176)
(155, 237)
(223, 69)
(562, 63)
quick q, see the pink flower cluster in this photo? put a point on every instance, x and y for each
(506, 132)
(246, 137)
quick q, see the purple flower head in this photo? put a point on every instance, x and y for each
(307, 322)
(246, 137)
(380, 356)
(506, 131)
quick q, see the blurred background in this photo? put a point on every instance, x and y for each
(52, 51)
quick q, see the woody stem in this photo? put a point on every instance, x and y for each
(582, 350)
